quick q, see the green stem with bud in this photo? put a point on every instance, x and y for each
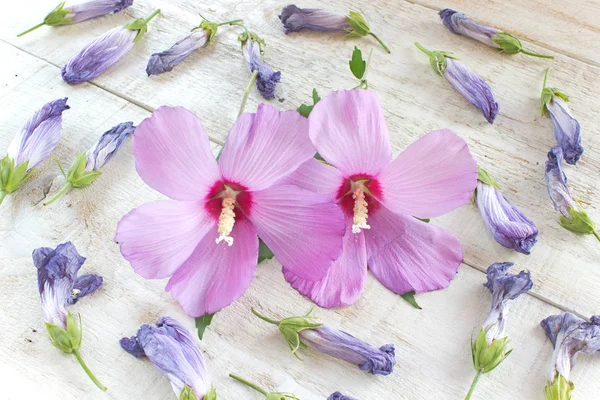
(530, 53)
(62, 191)
(247, 92)
(380, 42)
(423, 49)
(31, 29)
(234, 22)
(154, 14)
(266, 319)
(247, 383)
(87, 370)
(473, 384)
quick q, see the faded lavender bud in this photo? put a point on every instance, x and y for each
(72, 14)
(566, 128)
(339, 396)
(31, 146)
(459, 24)
(489, 349)
(295, 19)
(168, 59)
(86, 168)
(59, 286)
(570, 335)
(266, 78)
(336, 343)
(467, 83)
(509, 226)
(105, 51)
(573, 218)
(173, 350)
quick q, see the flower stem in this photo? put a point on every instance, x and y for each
(62, 191)
(269, 320)
(475, 380)
(247, 383)
(154, 14)
(31, 29)
(546, 77)
(234, 22)
(87, 370)
(380, 42)
(594, 233)
(530, 53)
(247, 92)
(2, 195)
(423, 49)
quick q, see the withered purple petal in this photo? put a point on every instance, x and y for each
(295, 19)
(339, 396)
(566, 130)
(267, 78)
(168, 59)
(107, 146)
(556, 182)
(459, 24)
(95, 8)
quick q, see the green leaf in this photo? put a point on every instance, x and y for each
(202, 323)
(315, 96)
(410, 298)
(426, 220)
(357, 64)
(85, 179)
(305, 109)
(264, 253)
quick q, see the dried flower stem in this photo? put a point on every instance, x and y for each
(31, 29)
(475, 380)
(380, 42)
(266, 319)
(247, 383)
(87, 370)
(62, 191)
(530, 53)
(247, 92)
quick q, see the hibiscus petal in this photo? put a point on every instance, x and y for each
(216, 274)
(406, 254)
(264, 147)
(157, 238)
(172, 154)
(348, 130)
(433, 176)
(344, 281)
(303, 229)
(315, 176)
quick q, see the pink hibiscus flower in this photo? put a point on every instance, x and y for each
(380, 197)
(205, 237)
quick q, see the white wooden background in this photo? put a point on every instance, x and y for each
(433, 353)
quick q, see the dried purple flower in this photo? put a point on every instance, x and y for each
(59, 286)
(173, 350)
(570, 335)
(168, 59)
(509, 226)
(566, 128)
(334, 342)
(86, 167)
(574, 217)
(72, 14)
(339, 396)
(31, 146)
(459, 24)
(467, 83)
(295, 19)
(489, 348)
(104, 51)
(266, 77)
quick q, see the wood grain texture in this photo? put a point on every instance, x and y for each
(432, 345)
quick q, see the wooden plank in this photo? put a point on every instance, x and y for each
(570, 27)
(415, 101)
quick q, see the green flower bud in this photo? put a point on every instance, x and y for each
(486, 356)
(559, 389)
(508, 43)
(67, 340)
(58, 16)
(359, 25)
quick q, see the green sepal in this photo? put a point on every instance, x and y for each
(202, 323)
(140, 25)
(486, 177)
(548, 95)
(304, 109)
(245, 36)
(11, 177)
(264, 253)
(66, 340)
(290, 327)
(208, 26)
(487, 357)
(211, 395)
(76, 174)
(580, 222)
(508, 43)
(58, 16)
(559, 389)
(410, 298)
(358, 24)
(188, 394)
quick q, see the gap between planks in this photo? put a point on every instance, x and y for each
(540, 44)
(220, 143)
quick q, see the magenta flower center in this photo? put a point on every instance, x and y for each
(357, 198)
(226, 202)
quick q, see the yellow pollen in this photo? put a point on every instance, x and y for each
(226, 221)
(361, 213)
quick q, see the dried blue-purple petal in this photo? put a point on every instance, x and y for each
(95, 8)
(339, 396)
(267, 78)
(295, 19)
(567, 130)
(459, 24)
(168, 59)
(107, 146)
(556, 182)
(509, 226)
(173, 350)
